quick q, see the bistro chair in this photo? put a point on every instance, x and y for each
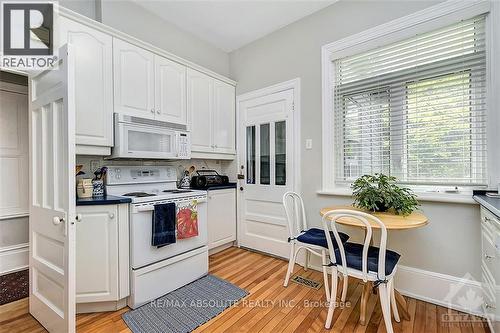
(302, 238)
(362, 261)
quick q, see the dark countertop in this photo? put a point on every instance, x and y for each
(492, 204)
(217, 187)
(105, 200)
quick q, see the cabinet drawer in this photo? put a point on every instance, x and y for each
(491, 255)
(489, 221)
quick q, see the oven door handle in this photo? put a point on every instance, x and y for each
(150, 208)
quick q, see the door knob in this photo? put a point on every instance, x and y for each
(78, 217)
(57, 220)
(111, 215)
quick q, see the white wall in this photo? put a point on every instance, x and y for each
(134, 20)
(450, 244)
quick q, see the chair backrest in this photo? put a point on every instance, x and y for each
(295, 213)
(330, 219)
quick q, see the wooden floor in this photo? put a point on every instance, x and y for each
(269, 308)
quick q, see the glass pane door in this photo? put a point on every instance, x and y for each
(266, 154)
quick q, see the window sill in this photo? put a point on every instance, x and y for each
(462, 198)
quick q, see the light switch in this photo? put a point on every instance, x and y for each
(309, 144)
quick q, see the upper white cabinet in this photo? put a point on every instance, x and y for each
(211, 108)
(225, 117)
(148, 85)
(200, 106)
(134, 80)
(93, 54)
(170, 91)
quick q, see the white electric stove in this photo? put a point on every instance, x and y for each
(157, 271)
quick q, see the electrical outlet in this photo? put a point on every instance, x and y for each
(309, 144)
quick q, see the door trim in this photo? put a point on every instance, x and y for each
(279, 87)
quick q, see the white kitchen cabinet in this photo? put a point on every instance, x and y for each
(134, 80)
(102, 255)
(211, 108)
(490, 267)
(221, 217)
(170, 91)
(224, 117)
(200, 105)
(93, 54)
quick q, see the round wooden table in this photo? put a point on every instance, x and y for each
(391, 222)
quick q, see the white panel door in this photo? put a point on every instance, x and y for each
(14, 189)
(134, 80)
(97, 254)
(221, 212)
(170, 91)
(93, 53)
(200, 109)
(52, 187)
(224, 118)
(266, 155)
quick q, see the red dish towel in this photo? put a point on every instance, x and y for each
(187, 220)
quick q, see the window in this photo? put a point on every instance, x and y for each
(415, 109)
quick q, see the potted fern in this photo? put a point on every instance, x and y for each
(379, 193)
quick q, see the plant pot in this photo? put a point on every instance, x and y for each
(381, 207)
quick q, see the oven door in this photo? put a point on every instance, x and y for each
(142, 141)
(143, 253)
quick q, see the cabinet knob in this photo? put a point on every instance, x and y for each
(57, 220)
(488, 257)
(158, 111)
(78, 217)
(489, 306)
(152, 110)
(111, 215)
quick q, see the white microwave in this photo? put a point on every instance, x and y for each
(146, 138)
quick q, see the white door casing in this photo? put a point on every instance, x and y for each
(170, 91)
(133, 80)
(52, 196)
(268, 121)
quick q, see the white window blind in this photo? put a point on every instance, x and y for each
(415, 109)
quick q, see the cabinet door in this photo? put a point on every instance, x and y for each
(97, 254)
(224, 118)
(93, 54)
(221, 217)
(200, 102)
(134, 80)
(170, 91)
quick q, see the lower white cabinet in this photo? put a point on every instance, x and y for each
(490, 267)
(102, 257)
(221, 217)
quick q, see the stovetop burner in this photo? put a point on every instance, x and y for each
(139, 194)
(177, 191)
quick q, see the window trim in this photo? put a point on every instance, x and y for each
(432, 18)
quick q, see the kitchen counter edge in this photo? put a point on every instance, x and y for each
(105, 200)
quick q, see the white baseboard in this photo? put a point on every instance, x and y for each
(436, 288)
(440, 289)
(14, 258)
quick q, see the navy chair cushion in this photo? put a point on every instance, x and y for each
(316, 236)
(354, 255)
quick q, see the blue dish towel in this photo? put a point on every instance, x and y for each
(164, 220)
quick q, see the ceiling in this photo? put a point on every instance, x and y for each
(230, 25)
